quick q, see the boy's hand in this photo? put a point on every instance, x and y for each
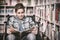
(12, 29)
(34, 30)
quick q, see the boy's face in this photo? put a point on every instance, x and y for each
(20, 13)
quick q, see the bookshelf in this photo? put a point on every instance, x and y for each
(48, 11)
(4, 11)
(8, 8)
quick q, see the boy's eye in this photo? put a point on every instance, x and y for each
(18, 12)
(22, 12)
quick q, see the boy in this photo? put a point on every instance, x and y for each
(21, 23)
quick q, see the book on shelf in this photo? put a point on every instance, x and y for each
(7, 11)
(2, 28)
(57, 15)
(12, 2)
(29, 10)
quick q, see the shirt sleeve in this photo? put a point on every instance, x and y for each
(10, 22)
(32, 23)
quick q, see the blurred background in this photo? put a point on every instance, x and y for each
(47, 12)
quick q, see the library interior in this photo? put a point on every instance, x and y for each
(44, 13)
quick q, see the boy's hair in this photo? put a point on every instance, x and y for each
(19, 6)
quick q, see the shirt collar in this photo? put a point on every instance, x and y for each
(20, 19)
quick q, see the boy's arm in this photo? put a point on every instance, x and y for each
(33, 25)
(10, 28)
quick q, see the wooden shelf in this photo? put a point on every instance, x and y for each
(6, 6)
(1, 24)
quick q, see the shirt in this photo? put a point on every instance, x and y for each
(21, 25)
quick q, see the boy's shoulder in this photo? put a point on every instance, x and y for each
(28, 18)
(12, 18)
